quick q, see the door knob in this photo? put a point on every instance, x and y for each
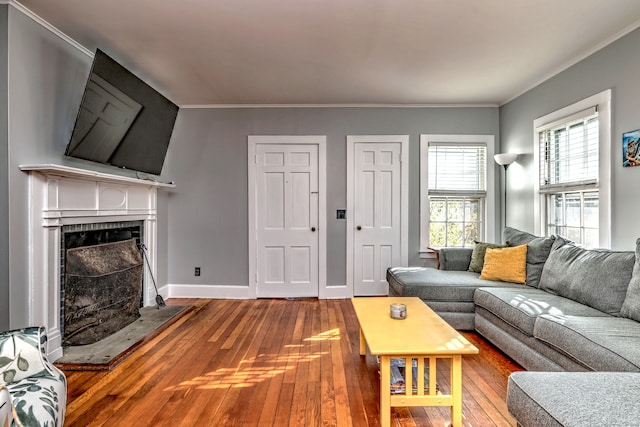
(313, 229)
(359, 227)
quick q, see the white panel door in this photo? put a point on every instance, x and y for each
(376, 216)
(287, 220)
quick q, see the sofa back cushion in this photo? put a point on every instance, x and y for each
(598, 278)
(631, 305)
(514, 237)
(537, 251)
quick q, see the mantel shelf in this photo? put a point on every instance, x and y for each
(71, 172)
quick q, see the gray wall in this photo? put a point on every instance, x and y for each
(47, 76)
(203, 221)
(45, 86)
(208, 161)
(615, 67)
(4, 147)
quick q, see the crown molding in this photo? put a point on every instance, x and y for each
(28, 12)
(573, 61)
(240, 106)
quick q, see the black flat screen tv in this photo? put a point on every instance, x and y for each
(122, 121)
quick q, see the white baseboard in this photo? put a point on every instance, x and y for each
(236, 291)
(336, 292)
(206, 291)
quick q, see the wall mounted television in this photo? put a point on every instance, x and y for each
(122, 121)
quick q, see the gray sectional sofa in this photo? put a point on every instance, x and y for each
(574, 325)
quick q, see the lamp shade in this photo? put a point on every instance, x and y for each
(505, 159)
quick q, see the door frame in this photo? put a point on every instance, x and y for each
(321, 142)
(352, 140)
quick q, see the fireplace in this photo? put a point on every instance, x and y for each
(66, 200)
(101, 275)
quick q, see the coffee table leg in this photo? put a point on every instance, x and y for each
(363, 344)
(385, 391)
(456, 391)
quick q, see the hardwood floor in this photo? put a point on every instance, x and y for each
(269, 363)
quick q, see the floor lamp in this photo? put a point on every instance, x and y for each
(505, 159)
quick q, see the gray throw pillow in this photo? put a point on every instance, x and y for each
(598, 278)
(631, 306)
(477, 256)
(514, 237)
(538, 251)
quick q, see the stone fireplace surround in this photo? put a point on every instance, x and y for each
(62, 196)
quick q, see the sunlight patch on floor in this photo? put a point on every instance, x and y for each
(260, 368)
(330, 335)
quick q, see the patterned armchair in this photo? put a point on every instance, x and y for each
(33, 392)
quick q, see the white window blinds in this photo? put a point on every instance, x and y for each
(456, 168)
(569, 152)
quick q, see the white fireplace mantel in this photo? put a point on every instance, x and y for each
(62, 195)
(70, 172)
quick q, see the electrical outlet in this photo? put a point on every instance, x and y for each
(197, 271)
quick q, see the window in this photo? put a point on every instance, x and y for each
(454, 180)
(572, 198)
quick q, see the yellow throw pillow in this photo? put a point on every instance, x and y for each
(505, 264)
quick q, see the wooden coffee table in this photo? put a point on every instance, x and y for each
(422, 335)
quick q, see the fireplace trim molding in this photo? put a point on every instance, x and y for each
(63, 195)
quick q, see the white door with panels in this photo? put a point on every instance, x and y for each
(286, 219)
(378, 221)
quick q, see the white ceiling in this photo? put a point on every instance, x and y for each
(414, 52)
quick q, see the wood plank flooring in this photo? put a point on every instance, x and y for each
(269, 362)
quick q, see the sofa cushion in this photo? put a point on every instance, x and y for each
(596, 277)
(506, 264)
(455, 258)
(519, 306)
(631, 305)
(574, 399)
(478, 255)
(538, 249)
(451, 306)
(431, 284)
(599, 344)
(528, 352)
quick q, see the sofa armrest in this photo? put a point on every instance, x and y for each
(455, 258)
(22, 355)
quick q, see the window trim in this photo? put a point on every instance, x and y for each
(490, 201)
(603, 101)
